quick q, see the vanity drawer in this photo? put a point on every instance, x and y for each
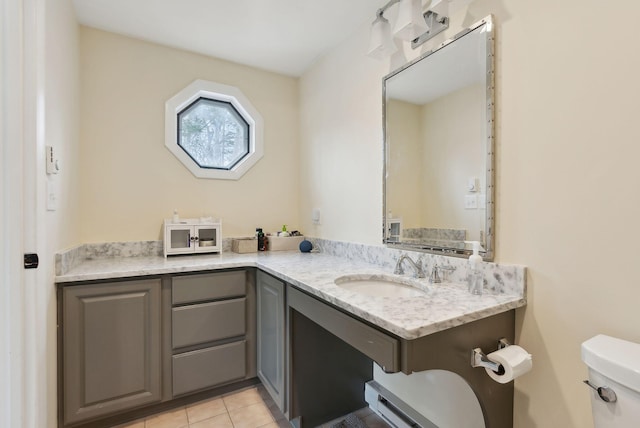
(208, 322)
(210, 286)
(380, 347)
(208, 367)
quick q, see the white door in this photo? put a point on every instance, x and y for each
(11, 216)
(22, 397)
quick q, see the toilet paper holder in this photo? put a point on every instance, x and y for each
(479, 358)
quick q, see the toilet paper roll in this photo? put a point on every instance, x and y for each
(515, 361)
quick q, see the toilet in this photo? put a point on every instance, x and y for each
(614, 375)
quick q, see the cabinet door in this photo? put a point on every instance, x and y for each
(179, 239)
(271, 334)
(208, 239)
(111, 348)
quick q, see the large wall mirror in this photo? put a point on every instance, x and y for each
(438, 139)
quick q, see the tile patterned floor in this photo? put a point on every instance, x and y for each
(247, 408)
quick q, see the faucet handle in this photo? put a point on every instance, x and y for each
(399, 270)
(446, 270)
(435, 277)
(435, 273)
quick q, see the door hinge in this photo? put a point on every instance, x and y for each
(31, 261)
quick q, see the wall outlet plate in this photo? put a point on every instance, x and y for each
(315, 215)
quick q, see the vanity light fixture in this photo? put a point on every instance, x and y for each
(411, 24)
(441, 7)
(381, 45)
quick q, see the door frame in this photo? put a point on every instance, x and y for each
(23, 392)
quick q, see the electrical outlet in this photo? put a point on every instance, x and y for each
(315, 216)
(52, 196)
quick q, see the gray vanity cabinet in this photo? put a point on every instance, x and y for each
(212, 330)
(271, 336)
(111, 348)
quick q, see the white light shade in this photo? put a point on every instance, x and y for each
(410, 22)
(441, 7)
(381, 44)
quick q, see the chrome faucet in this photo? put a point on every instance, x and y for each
(417, 269)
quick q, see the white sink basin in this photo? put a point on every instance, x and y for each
(380, 285)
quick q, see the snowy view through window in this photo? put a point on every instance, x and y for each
(213, 134)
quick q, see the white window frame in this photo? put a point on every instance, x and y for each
(215, 91)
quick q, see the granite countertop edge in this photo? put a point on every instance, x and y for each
(444, 306)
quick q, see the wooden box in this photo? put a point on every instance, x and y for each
(284, 243)
(244, 245)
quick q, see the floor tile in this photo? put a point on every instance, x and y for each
(205, 410)
(375, 421)
(173, 419)
(242, 399)
(271, 425)
(220, 421)
(252, 416)
(283, 423)
(364, 412)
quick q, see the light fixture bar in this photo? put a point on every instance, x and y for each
(436, 23)
(384, 8)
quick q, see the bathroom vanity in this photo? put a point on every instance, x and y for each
(132, 342)
(198, 326)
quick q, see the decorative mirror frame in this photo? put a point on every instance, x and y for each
(487, 251)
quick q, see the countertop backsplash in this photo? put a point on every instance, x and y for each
(499, 278)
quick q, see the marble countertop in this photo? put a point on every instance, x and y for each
(443, 305)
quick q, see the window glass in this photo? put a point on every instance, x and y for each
(213, 133)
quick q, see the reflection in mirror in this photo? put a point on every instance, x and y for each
(438, 119)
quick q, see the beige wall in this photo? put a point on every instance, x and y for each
(453, 153)
(567, 172)
(405, 156)
(130, 181)
(341, 145)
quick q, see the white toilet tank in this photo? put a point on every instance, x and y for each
(614, 365)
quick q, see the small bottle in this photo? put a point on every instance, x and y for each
(475, 279)
(284, 231)
(175, 218)
(260, 236)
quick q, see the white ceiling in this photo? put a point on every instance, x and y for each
(284, 36)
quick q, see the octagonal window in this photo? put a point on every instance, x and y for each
(213, 130)
(213, 134)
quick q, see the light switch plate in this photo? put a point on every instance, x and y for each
(472, 184)
(52, 164)
(315, 216)
(471, 202)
